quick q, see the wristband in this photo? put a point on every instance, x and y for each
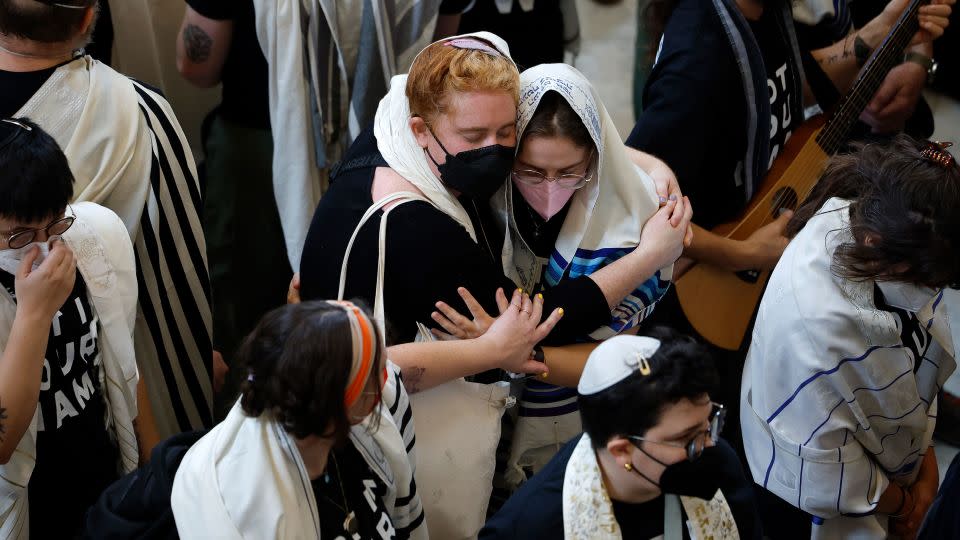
(861, 50)
(924, 61)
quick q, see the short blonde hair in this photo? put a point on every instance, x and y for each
(441, 70)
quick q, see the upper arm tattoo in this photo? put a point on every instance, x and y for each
(197, 44)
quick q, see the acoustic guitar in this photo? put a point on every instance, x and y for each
(720, 304)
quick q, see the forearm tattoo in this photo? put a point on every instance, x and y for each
(845, 53)
(412, 378)
(197, 44)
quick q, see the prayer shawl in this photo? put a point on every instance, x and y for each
(128, 153)
(588, 510)
(105, 259)
(834, 404)
(246, 479)
(605, 217)
(329, 62)
(400, 150)
(603, 223)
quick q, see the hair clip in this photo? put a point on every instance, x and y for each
(937, 153)
(61, 5)
(250, 377)
(17, 123)
(472, 44)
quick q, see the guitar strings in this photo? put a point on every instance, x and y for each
(899, 38)
(833, 137)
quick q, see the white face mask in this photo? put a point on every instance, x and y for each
(10, 259)
(906, 296)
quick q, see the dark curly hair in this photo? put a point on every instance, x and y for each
(906, 204)
(296, 364)
(681, 369)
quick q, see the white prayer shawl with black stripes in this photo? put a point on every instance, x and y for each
(106, 264)
(128, 153)
(330, 62)
(839, 396)
(246, 478)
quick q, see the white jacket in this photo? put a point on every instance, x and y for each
(834, 405)
(104, 254)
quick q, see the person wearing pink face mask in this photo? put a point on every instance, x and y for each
(576, 203)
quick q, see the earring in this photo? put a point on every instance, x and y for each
(628, 466)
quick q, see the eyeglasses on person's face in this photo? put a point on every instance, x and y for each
(23, 237)
(696, 445)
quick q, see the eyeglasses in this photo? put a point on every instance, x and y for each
(566, 181)
(57, 227)
(698, 443)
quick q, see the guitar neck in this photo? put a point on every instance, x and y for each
(888, 55)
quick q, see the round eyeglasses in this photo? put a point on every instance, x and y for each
(24, 237)
(566, 181)
(698, 443)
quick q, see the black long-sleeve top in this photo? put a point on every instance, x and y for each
(428, 256)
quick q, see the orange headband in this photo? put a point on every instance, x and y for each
(364, 351)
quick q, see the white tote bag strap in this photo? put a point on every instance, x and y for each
(399, 197)
(672, 518)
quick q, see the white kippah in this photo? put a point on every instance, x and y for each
(614, 360)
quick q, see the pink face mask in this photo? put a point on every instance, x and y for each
(546, 198)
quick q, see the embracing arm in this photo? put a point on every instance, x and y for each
(660, 245)
(424, 365)
(508, 345)
(565, 364)
(202, 48)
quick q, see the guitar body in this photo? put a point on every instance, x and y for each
(720, 304)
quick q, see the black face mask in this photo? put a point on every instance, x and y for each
(698, 478)
(478, 173)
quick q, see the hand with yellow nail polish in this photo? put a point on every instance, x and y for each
(517, 330)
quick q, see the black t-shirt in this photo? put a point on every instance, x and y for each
(245, 76)
(782, 79)
(914, 335)
(694, 110)
(350, 486)
(535, 512)
(76, 456)
(540, 234)
(16, 88)
(428, 256)
(535, 37)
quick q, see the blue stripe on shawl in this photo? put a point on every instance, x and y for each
(633, 308)
(627, 314)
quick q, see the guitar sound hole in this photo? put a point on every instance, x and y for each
(785, 198)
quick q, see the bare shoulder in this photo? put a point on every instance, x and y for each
(386, 181)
